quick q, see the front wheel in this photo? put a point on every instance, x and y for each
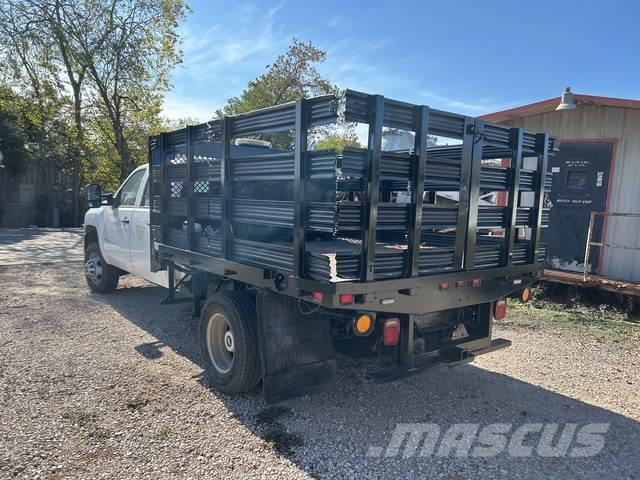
(100, 276)
(229, 341)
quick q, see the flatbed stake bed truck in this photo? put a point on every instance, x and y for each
(292, 253)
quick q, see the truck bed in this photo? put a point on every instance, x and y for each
(360, 215)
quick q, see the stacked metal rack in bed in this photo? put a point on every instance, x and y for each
(330, 216)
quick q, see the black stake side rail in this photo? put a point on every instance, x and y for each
(478, 141)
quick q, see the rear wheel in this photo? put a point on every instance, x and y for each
(229, 341)
(100, 276)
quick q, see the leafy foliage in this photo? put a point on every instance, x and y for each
(12, 143)
(338, 140)
(291, 76)
(88, 77)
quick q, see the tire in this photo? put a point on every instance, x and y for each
(231, 360)
(100, 276)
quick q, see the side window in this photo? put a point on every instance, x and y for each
(145, 196)
(129, 190)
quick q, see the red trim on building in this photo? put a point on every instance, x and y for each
(551, 104)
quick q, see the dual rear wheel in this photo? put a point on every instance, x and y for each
(229, 341)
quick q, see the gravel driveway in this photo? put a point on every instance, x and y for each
(19, 246)
(111, 387)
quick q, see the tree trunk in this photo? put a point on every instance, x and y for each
(77, 157)
(122, 148)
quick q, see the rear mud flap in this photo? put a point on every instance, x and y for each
(296, 350)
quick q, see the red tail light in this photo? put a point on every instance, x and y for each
(391, 331)
(346, 299)
(500, 309)
(318, 296)
(444, 286)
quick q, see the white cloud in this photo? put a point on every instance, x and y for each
(484, 105)
(339, 22)
(177, 106)
(220, 58)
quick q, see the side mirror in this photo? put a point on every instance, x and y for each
(94, 195)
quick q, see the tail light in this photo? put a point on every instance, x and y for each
(318, 296)
(500, 309)
(391, 331)
(346, 299)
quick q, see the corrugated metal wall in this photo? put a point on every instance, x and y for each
(592, 122)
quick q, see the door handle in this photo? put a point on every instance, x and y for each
(125, 220)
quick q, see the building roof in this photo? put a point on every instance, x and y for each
(551, 104)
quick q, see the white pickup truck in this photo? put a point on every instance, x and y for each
(117, 236)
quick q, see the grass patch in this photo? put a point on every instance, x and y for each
(602, 321)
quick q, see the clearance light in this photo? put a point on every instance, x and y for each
(391, 332)
(363, 324)
(460, 283)
(500, 309)
(525, 295)
(476, 282)
(318, 296)
(444, 286)
(346, 299)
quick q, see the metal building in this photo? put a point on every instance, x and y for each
(597, 169)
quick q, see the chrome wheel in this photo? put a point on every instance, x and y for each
(93, 268)
(220, 343)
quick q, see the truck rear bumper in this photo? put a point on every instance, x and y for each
(449, 356)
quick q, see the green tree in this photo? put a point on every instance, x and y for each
(129, 74)
(291, 76)
(41, 34)
(108, 60)
(337, 140)
(13, 154)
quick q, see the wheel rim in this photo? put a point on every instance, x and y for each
(93, 268)
(220, 343)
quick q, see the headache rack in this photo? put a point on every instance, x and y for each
(361, 215)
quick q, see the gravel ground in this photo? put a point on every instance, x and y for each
(111, 387)
(19, 246)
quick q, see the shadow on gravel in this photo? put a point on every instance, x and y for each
(13, 236)
(40, 245)
(333, 431)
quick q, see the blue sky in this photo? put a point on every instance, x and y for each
(471, 57)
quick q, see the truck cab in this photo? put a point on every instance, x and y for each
(117, 234)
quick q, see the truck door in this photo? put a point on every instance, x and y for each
(580, 179)
(117, 226)
(140, 242)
